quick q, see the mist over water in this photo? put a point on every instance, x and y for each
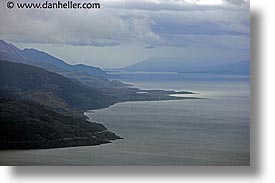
(209, 131)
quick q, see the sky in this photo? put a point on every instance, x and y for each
(124, 32)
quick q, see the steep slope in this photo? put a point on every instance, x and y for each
(9, 52)
(46, 61)
(49, 88)
(41, 109)
(89, 70)
(27, 125)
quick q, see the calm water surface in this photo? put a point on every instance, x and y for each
(210, 131)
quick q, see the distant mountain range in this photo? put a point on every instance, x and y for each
(41, 59)
(88, 75)
(236, 68)
(178, 65)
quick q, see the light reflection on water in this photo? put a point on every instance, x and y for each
(212, 131)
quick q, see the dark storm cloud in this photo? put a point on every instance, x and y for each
(198, 23)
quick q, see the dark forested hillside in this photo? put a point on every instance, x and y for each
(42, 109)
(38, 84)
(27, 125)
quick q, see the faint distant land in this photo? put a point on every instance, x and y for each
(181, 66)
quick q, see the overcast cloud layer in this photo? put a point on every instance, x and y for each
(138, 24)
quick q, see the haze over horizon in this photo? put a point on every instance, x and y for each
(122, 33)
